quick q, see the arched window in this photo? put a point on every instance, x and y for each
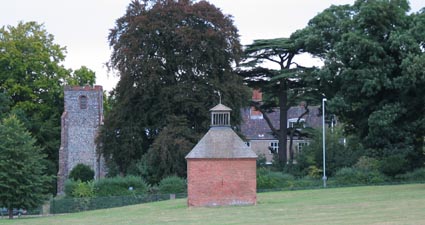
(83, 102)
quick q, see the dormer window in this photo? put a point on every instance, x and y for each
(293, 123)
(83, 102)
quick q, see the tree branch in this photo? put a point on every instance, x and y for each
(257, 106)
(291, 135)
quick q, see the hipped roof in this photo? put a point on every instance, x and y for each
(220, 107)
(223, 143)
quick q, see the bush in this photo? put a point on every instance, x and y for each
(393, 165)
(314, 172)
(172, 184)
(367, 163)
(69, 187)
(348, 176)
(267, 179)
(82, 172)
(83, 189)
(79, 189)
(416, 175)
(308, 182)
(119, 186)
(339, 153)
(261, 160)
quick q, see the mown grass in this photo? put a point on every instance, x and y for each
(397, 204)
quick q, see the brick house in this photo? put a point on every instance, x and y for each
(258, 134)
(221, 169)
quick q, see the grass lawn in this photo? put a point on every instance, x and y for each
(398, 204)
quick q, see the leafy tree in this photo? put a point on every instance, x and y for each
(81, 77)
(166, 157)
(284, 85)
(4, 104)
(22, 175)
(31, 78)
(338, 154)
(171, 57)
(373, 74)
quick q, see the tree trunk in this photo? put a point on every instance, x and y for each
(10, 211)
(283, 121)
(291, 136)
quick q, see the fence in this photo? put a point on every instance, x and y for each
(70, 205)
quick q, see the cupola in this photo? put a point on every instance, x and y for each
(220, 116)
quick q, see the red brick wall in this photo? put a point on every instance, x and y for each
(213, 182)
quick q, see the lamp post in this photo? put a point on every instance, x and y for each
(324, 178)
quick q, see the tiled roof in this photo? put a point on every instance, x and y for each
(254, 127)
(223, 143)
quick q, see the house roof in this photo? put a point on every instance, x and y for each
(223, 143)
(255, 127)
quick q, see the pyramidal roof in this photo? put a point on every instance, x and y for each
(223, 143)
(220, 107)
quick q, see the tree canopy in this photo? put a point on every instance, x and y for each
(31, 84)
(82, 77)
(284, 85)
(31, 79)
(373, 53)
(24, 182)
(171, 56)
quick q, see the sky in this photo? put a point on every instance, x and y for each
(82, 26)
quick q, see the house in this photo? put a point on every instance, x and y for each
(258, 134)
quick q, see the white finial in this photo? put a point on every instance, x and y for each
(219, 95)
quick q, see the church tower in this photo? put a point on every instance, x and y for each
(80, 123)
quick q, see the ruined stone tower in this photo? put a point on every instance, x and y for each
(81, 120)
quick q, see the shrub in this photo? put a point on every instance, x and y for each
(82, 172)
(83, 189)
(118, 186)
(416, 175)
(308, 182)
(69, 187)
(172, 184)
(267, 179)
(261, 160)
(79, 189)
(339, 153)
(367, 163)
(348, 176)
(393, 165)
(314, 172)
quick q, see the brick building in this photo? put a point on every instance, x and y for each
(221, 169)
(80, 122)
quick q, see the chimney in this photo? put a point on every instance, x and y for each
(257, 96)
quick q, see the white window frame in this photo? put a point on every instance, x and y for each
(274, 146)
(300, 146)
(293, 121)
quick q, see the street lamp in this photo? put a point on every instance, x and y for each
(324, 178)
